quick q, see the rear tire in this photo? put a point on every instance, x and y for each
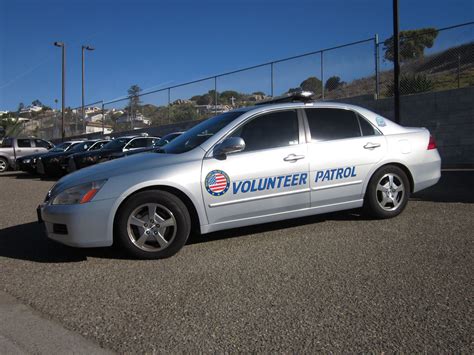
(152, 224)
(387, 193)
(3, 165)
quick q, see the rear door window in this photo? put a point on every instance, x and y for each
(330, 123)
(42, 144)
(24, 143)
(138, 143)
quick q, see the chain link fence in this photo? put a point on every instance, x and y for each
(431, 60)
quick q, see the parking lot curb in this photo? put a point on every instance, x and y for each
(24, 331)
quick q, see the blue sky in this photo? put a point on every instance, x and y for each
(160, 43)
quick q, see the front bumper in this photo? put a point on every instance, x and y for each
(85, 225)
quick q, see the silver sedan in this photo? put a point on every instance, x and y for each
(248, 166)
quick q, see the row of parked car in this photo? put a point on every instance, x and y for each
(66, 157)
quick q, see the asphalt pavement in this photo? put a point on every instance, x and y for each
(336, 282)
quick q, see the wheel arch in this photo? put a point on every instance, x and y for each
(7, 160)
(400, 165)
(195, 221)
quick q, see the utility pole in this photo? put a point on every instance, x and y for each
(84, 48)
(63, 80)
(396, 63)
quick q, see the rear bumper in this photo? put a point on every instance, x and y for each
(82, 226)
(428, 172)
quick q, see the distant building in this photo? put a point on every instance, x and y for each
(94, 127)
(94, 118)
(139, 119)
(31, 108)
(206, 109)
(181, 102)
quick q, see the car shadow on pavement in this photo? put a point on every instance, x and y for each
(348, 215)
(20, 175)
(454, 186)
(29, 242)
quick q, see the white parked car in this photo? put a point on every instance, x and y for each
(248, 166)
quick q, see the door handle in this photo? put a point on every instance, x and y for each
(293, 158)
(371, 145)
(18, 150)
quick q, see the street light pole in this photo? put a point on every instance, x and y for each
(84, 48)
(396, 62)
(63, 80)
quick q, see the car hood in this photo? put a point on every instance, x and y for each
(31, 156)
(56, 155)
(96, 152)
(122, 166)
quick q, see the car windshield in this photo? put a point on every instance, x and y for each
(116, 143)
(165, 140)
(200, 133)
(61, 147)
(81, 147)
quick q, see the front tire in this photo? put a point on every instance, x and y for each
(3, 165)
(152, 224)
(387, 193)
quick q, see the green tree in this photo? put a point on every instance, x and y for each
(333, 83)
(134, 98)
(225, 97)
(183, 112)
(204, 99)
(21, 106)
(311, 84)
(412, 44)
(212, 95)
(37, 103)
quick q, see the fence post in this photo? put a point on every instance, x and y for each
(377, 66)
(103, 118)
(271, 77)
(459, 71)
(169, 105)
(322, 76)
(215, 95)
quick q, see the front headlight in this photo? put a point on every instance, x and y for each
(27, 161)
(78, 194)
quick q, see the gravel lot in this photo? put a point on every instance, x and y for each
(335, 282)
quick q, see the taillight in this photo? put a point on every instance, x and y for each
(431, 143)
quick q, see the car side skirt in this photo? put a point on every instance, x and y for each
(208, 228)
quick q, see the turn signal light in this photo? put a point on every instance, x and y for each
(431, 143)
(89, 195)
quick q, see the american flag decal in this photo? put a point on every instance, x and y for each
(217, 182)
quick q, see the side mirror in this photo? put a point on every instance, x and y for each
(229, 145)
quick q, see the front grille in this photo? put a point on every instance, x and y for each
(59, 228)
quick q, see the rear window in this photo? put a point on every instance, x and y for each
(24, 143)
(7, 143)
